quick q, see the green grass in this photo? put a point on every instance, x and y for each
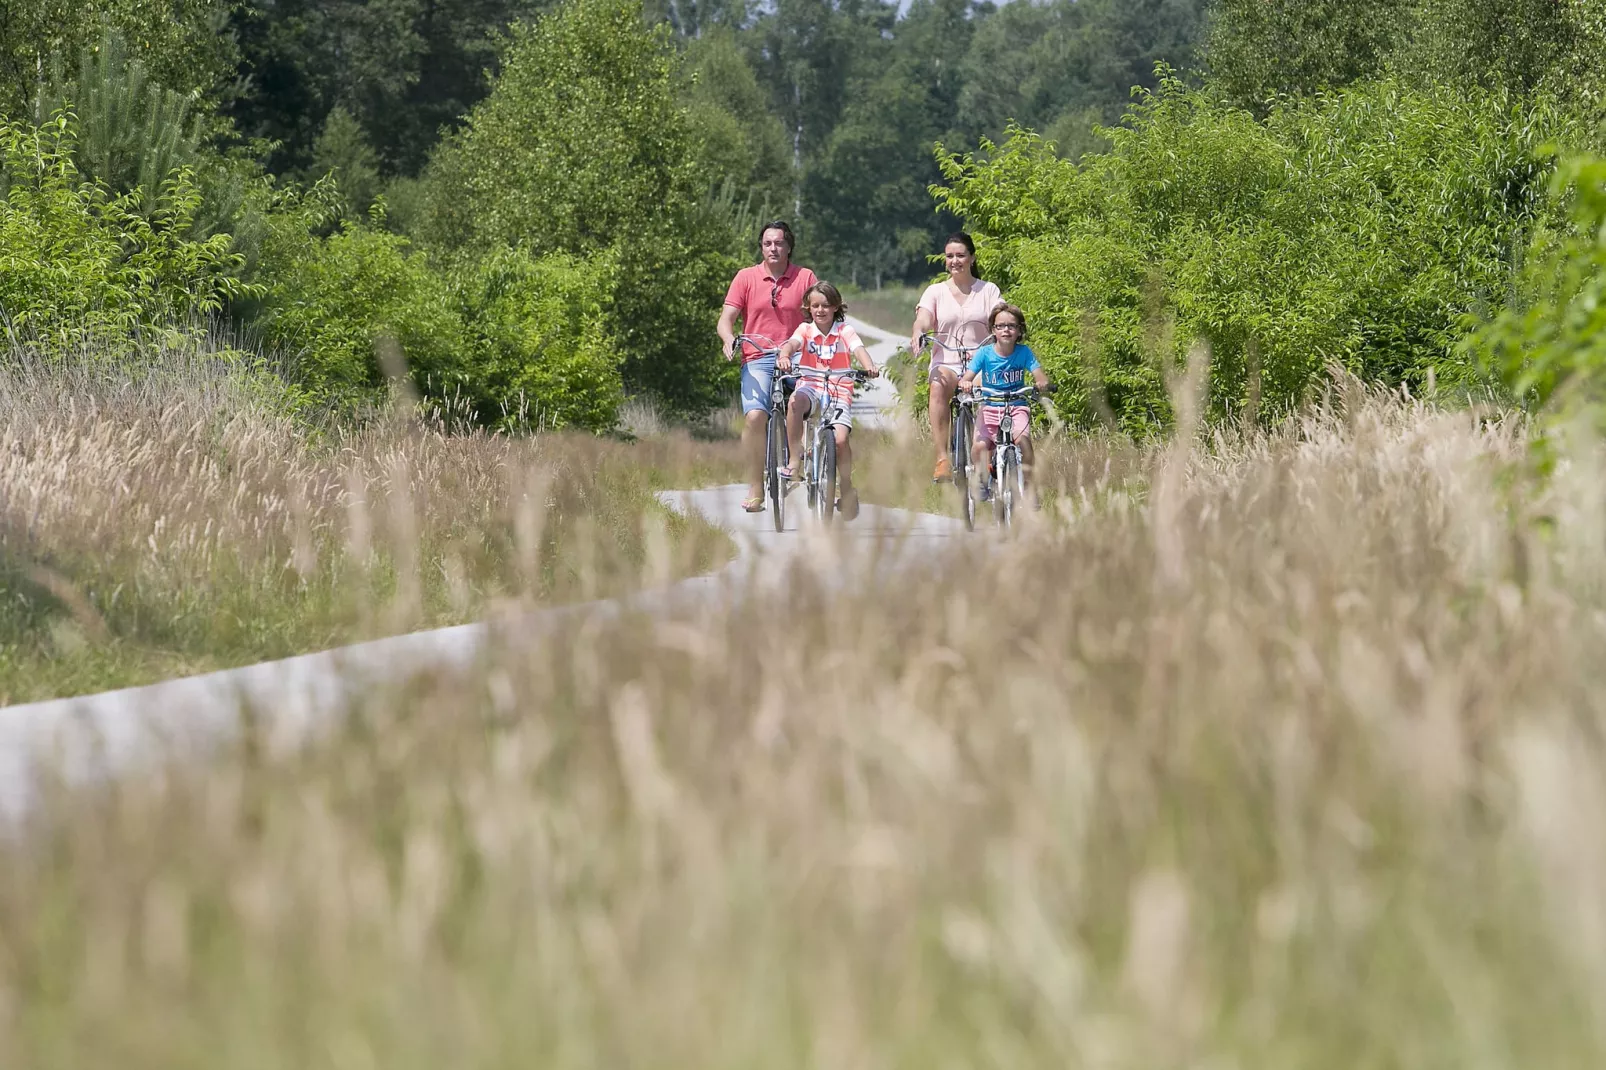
(891, 308)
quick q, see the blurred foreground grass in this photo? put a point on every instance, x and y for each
(1277, 751)
(162, 521)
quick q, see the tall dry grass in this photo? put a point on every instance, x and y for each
(1287, 754)
(172, 515)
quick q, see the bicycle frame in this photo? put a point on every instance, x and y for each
(960, 421)
(1006, 469)
(775, 436)
(819, 440)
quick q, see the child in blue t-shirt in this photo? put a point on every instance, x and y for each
(1003, 366)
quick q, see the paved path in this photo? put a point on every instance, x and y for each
(89, 736)
(876, 403)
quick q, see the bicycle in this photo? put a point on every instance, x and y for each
(775, 450)
(961, 423)
(819, 440)
(1005, 474)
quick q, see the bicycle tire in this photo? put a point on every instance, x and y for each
(1004, 486)
(775, 457)
(825, 506)
(963, 425)
(811, 464)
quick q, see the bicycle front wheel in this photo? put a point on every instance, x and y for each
(775, 457)
(1005, 487)
(825, 503)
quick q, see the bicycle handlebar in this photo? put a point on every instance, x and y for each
(1029, 393)
(858, 375)
(763, 346)
(930, 338)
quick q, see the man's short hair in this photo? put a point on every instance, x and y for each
(785, 229)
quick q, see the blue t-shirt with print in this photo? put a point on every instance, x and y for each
(994, 371)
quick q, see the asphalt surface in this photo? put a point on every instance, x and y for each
(88, 737)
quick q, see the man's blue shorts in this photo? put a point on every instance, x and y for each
(758, 377)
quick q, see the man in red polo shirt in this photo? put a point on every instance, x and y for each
(769, 299)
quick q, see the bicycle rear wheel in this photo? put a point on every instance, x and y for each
(825, 502)
(1004, 487)
(774, 458)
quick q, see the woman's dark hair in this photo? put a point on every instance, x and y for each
(964, 239)
(785, 229)
(1020, 318)
(831, 294)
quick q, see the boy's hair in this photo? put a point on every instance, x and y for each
(1020, 318)
(831, 294)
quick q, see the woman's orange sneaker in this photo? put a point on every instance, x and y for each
(945, 470)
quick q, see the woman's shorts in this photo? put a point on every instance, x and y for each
(815, 397)
(993, 415)
(758, 377)
(941, 371)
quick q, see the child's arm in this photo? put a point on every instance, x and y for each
(967, 380)
(783, 359)
(865, 362)
(1040, 377)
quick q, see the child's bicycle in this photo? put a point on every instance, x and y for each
(961, 422)
(819, 441)
(1005, 475)
(756, 346)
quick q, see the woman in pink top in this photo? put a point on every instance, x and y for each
(956, 309)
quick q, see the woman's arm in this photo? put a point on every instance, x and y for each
(924, 321)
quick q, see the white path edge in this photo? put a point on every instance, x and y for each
(86, 738)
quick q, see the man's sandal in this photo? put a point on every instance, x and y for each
(753, 505)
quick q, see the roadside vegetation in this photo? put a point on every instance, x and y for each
(1299, 761)
(173, 517)
(1274, 739)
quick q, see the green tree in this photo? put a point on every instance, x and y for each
(342, 150)
(583, 149)
(740, 140)
(78, 262)
(404, 69)
(1061, 67)
(1259, 49)
(1359, 228)
(807, 52)
(182, 43)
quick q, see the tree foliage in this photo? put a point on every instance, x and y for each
(1359, 228)
(583, 149)
(1549, 344)
(179, 42)
(77, 262)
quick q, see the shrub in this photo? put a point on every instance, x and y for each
(543, 354)
(1548, 346)
(329, 300)
(582, 149)
(77, 261)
